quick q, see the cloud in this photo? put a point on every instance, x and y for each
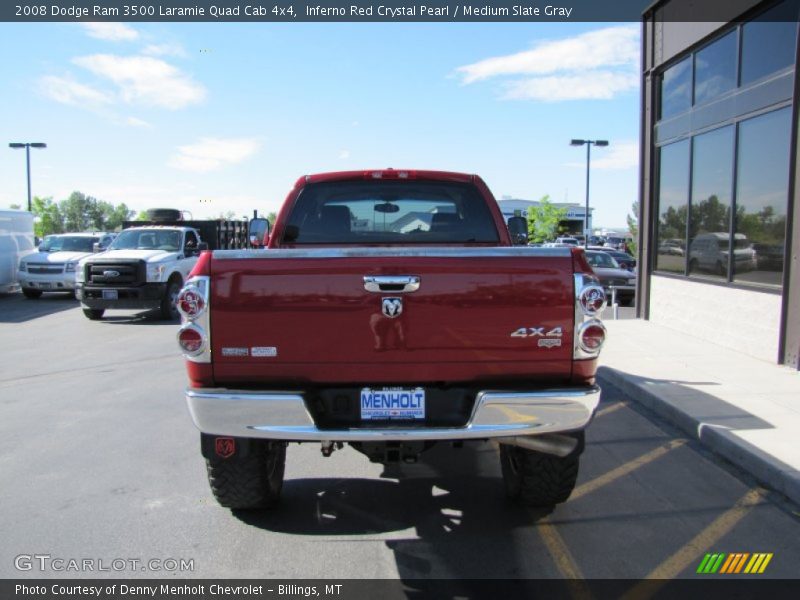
(593, 85)
(210, 154)
(618, 156)
(134, 122)
(593, 65)
(113, 32)
(344, 154)
(145, 80)
(168, 49)
(67, 91)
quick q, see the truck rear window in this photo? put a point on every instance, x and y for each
(390, 212)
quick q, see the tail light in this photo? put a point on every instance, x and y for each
(190, 339)
(590, 300)
(591, 336)
(191, 302)
(194, 336)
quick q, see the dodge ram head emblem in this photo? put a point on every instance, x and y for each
(110, 273)
(392, 307)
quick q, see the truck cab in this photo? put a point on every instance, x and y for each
(143, 268)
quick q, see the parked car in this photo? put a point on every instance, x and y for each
(569, 241)
(52, 268)
(625, 260)
(615, 242)
(709, 252)
(672, 246)
(611, 274)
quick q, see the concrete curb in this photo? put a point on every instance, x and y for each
(764, 467)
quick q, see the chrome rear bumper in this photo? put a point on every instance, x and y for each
(497, 414)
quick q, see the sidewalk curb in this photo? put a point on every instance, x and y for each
(765, 468)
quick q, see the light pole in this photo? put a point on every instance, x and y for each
(28, 146)
(589, 144)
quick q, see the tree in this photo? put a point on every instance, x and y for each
(117, 215)
(76, 210)
(15, 206)
(633, 226)
(142, 216)
(49, 218)
(544, 221)
(271, 218)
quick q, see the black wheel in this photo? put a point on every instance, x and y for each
(253, 481)
(31, 294)
(535, 479)
(93, 314)
(169, 304)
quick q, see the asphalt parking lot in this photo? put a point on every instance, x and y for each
(99, 460)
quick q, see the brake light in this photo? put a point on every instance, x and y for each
(592, 335)
(193, 303)
(190, 339)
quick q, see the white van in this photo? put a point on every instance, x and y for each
(16, 242)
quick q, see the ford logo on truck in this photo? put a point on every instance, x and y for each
(110, 273)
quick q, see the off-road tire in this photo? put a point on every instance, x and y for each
(93, 314)
(169, 308)
(254, 481)
(535, 479)
(31, 294)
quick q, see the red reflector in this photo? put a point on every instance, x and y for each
(190, 340)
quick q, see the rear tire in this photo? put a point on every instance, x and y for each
(31, 294)
(535, 479)
(94, 314)
(249, 482)
(169, 303)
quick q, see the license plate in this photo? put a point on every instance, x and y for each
(45, 285)
(392, 403)
(109, 294)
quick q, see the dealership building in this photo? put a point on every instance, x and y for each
(720, 234)
(574, 217)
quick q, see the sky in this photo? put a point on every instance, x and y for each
(224, 117)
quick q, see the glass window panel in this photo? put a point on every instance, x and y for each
(676, 89)
(768, 42)
(715, 69)
(673, 206)
(761, 198)
(710, 213)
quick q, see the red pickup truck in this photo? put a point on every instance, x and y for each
(391, 310)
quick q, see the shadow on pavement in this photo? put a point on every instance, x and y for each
(16, 308)
(453, 501)
(148, 317)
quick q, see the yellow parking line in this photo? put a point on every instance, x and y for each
(689, 553)
(610, 409)
(623, 470)
(563, 559)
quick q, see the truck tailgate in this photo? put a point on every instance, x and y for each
(306, 316)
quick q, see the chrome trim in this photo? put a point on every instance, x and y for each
(398, 251)
(283, 416)
(203, 321)
(376, 283)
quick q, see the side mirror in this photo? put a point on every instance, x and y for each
(96, 247)
(518, 228)
(258, 232)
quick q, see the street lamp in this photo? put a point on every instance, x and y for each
(589, 144)
(28, 146)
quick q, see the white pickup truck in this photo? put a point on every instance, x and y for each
(144, 268)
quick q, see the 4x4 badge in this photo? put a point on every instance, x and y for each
(392, 307)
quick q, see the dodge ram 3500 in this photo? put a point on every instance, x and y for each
(391, 310)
